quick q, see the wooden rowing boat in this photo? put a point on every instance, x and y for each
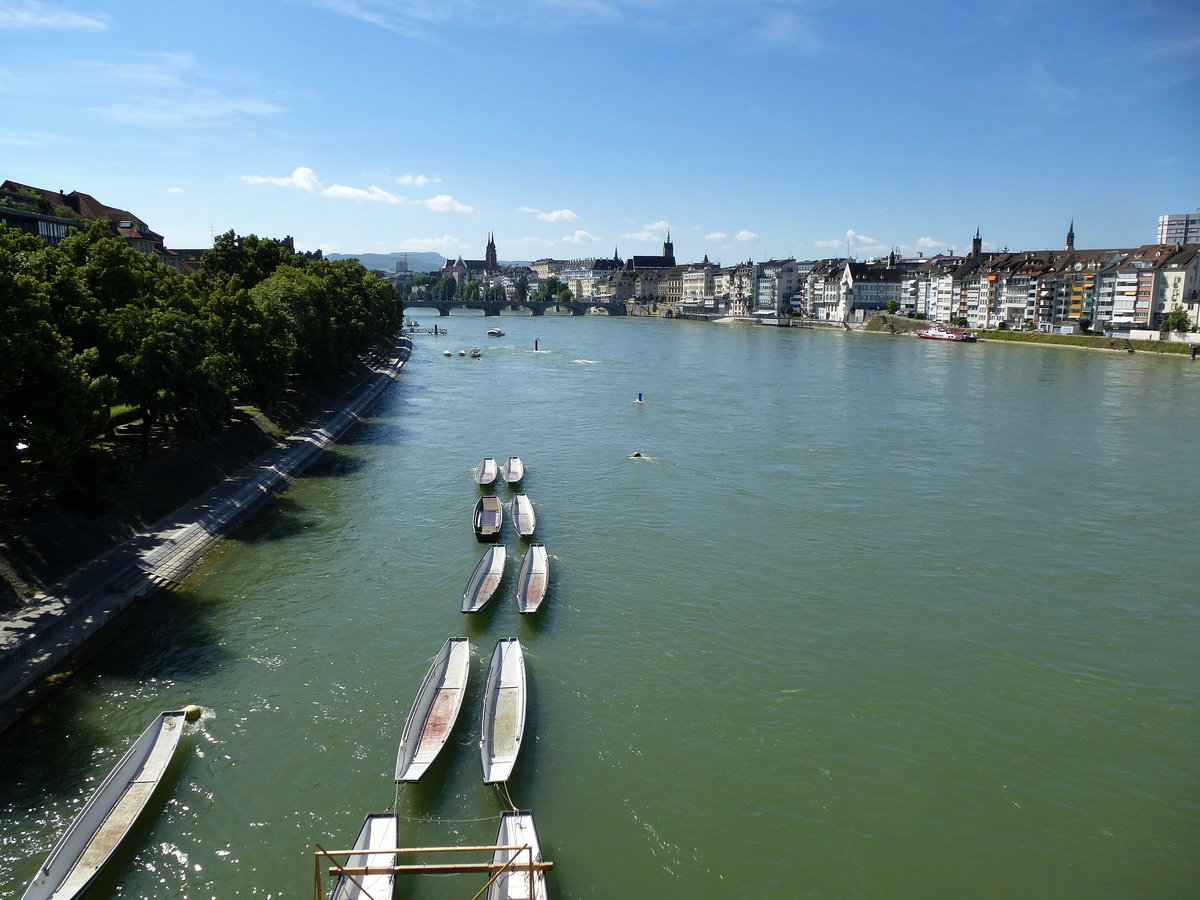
(435, 710)
(488, 518)
(486, 471)
(524, 518)
(503, 722)
(488, 574)
(533, 579)
(378, 832)
(513, 470)
(109, 814)
(517, 830)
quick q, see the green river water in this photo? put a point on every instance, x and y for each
(871, 617)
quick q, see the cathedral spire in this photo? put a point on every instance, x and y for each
(490, 256)
(1071, 236)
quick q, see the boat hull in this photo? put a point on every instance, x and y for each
(513, 470)
(378, 832)
(523, 515)
(486, 471)
(533, 579)
(502, 725)
(105, 820)
(517, 830)
(486, 578)
(435, 710)
(488, 519)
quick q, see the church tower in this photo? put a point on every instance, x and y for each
(1071, 237)
(977, 245)
(489, 259)
(669, 249)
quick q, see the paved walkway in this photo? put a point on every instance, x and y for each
(57, 622)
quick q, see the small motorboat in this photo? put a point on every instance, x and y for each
(378, 834)
(503, 721)
(488, 519)
(486, 471)
(524, 518)
(488, 574)
(513, 470)
(435, 710)
(520, 879)
(940, 332)
(495, 332)
(476, 352)
(533, 579)
(111, 811)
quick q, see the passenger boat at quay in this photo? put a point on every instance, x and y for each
(109, 814)
(434, 711)
(944, 333)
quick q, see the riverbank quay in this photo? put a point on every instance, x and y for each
(57, 625)
(894, 324)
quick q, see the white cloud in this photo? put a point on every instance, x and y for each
(174, 190)
(445, 242)
(558, 215)
(928, 243)
(641, 236)
(528, 209)
(34, 14)
(716, 236)
(418, 180)
(306, 180)
(580, 237)
(657, 226)
(744, 235)
(446, 203)
(855, 242)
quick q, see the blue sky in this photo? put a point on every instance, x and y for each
(752, 129)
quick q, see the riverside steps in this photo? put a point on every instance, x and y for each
(57, 623)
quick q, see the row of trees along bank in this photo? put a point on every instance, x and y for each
(95, 333)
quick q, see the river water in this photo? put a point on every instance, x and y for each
(870, 617)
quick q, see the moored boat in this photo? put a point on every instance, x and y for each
(475, 352)
(111, 811)
(524, 518)
(940, 332)
(513, 470)
(503, 721)
(486, 471)
(435, 710)
(495, 332)
(378, 832)
(488, 574)
(488, 518)
(518, 882)
(533, 579)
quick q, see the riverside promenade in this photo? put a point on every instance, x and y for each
(36, 641)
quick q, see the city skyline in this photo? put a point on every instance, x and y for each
(570, 128)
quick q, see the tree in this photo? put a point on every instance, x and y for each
(893, 306)
(521, 290)
(1176, 320)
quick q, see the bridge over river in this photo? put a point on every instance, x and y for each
(537, 307)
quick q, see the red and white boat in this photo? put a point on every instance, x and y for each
(942, 333)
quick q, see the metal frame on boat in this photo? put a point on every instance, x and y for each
(524, 518)
(533, 579)
(488, 574)
(519, 853)
(488, 518)
(435, 710)
(109, 814)
(502, 724)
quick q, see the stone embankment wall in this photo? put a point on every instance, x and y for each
(35, 642)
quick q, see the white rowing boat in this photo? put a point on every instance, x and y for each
(488, 574)
(513, 470)
(524, 518)
(503, 722)
(486, 471)
(435, 710)
(378, 832)
(516, 883)
(111, 811)
(533, 579)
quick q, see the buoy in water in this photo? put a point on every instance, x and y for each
(635, 455)
(191, 712)
(639, 399)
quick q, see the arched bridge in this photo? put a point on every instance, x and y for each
(536, 307)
